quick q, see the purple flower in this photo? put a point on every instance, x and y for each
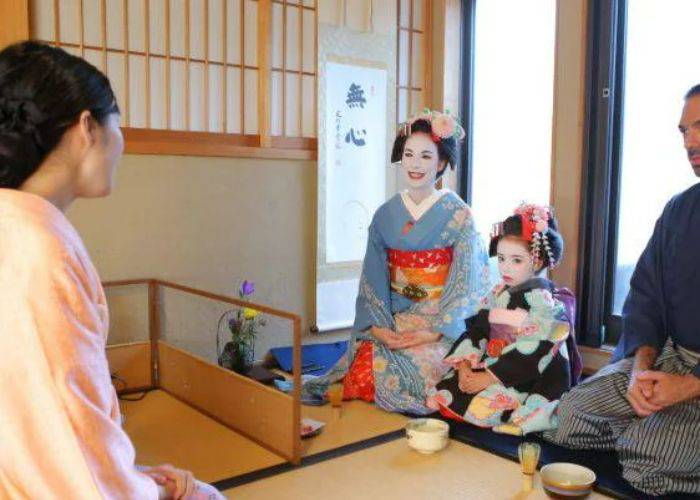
(247, 288)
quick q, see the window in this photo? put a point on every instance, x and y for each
(638, 72)
(508, 85)
(654, 165)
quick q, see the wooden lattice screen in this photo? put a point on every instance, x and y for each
(413, 82)
(218, 77)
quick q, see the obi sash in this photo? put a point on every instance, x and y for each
(419, 275)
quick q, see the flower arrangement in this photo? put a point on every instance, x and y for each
(243, 325)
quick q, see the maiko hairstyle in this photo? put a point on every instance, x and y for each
(441, 127)
(536, 226)
(43, 91)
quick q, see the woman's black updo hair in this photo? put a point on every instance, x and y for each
(43, 91)
(513, 226)
(447, 148)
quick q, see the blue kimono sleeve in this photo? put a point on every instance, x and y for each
(467, 282)
(373, 305)
(642, 315)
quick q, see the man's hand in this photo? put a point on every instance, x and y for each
(669, 389)
(639, 394)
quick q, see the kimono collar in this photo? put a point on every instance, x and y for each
(417, 210)
(531, 284)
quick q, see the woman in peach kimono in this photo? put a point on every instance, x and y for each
(60, 432)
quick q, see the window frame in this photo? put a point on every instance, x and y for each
(604, 98)
(466, 98)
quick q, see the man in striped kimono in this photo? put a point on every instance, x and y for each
(646, 405)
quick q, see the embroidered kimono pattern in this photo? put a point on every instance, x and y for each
(519, 336)
(424, 274)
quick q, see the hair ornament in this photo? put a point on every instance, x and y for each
(443, 125)
(535, 222)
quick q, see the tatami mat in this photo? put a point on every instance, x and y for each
(392, 470)
(355, 421)
(164, 429)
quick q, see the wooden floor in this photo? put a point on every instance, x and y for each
(393, 470)
(165, 430)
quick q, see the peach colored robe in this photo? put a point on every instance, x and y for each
(60, 433)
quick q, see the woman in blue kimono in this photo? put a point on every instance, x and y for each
(424, 272)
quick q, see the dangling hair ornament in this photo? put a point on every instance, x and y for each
(496, 230)
(443, 125)
(535, 222)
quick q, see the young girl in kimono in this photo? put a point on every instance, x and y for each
(424, 271)
(510, 367)
(60, 425)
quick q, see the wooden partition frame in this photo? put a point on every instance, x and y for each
(262, 414)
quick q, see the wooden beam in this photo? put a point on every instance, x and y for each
(229, 300)
(427, 53)
(296, 392)
(14, 22)
(409, 75)
(185, 143)
(264, 53)
(154, 329)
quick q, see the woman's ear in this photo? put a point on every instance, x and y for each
(442, 165)
(87, 129)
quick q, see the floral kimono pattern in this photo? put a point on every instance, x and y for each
(519, 336)
(419, 274)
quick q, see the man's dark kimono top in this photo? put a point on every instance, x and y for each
(664, 297)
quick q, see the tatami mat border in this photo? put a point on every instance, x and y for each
(257, 475)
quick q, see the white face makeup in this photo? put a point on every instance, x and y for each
(420, 162)
(515, 263)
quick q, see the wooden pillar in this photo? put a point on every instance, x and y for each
(264, 57)
(14, 21)
(427, 53)
(154, 329)
(567, 131)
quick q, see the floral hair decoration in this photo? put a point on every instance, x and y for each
(443, 125)
(535, 222)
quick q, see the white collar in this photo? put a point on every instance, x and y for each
(417, 210)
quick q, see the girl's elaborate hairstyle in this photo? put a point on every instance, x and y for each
(535, 225)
